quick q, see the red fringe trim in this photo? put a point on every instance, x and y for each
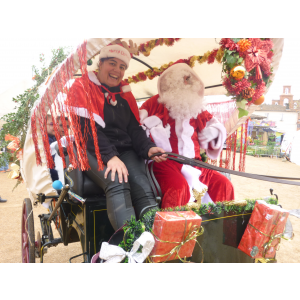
(35, 139)
(58, 111)
(42, 118)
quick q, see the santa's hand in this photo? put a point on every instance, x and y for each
(160, 158)
(207, 135)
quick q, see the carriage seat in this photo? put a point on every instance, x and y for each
(83, 185)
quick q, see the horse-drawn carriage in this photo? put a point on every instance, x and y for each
(77, 208)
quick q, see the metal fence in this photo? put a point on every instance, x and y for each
(263, 151)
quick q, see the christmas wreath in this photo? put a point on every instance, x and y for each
(247, 67)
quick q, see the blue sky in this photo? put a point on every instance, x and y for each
(18, 55)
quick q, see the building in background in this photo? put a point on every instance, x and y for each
(285, 112)
(286, 99)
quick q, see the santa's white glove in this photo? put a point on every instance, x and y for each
(207, 135)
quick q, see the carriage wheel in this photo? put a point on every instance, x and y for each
(27, 233)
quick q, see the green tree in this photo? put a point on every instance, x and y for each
(17, 121)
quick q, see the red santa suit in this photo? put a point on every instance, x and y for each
(184, 136)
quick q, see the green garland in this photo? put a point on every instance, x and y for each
(133, 229)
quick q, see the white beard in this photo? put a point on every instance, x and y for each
(181, 100)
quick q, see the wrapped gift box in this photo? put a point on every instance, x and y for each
(170, 227)
(266, 221)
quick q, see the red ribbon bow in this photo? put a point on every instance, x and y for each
(257, 56)
(112, 96)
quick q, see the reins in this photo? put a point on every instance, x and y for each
(197, 163)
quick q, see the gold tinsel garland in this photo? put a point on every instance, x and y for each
(150, 74)
(146, 48)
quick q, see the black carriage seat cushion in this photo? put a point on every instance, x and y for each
(83, 185)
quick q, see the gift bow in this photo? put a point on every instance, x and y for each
(115, 254)
(257, 56)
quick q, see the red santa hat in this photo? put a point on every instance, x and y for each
(177, 67)
(117, 51)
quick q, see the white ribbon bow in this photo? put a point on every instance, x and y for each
(115, 254)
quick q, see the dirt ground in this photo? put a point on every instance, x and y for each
(289, 197)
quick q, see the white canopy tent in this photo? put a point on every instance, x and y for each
(211, 74)
(38, 178)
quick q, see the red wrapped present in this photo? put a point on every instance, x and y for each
(175, 235)
(264, 230)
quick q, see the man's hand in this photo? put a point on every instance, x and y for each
(116, 165)
(160, 158)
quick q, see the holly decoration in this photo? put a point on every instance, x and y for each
(133, 229)
(256, 56)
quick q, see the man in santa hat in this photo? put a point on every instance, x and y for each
(178, 122)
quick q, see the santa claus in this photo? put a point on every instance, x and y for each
(177, 121)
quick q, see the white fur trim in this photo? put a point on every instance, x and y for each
(168, 130)
(152, 121)
(116, 51)
(82, 112)
(206, 199)
(215, 143)
(93, 78)
(184, 132)
(58, 163)
(126, 88)
(99, 120)
(159, 134)
(161, 137)
(192, 177)
(69, 83)
(143, 114)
